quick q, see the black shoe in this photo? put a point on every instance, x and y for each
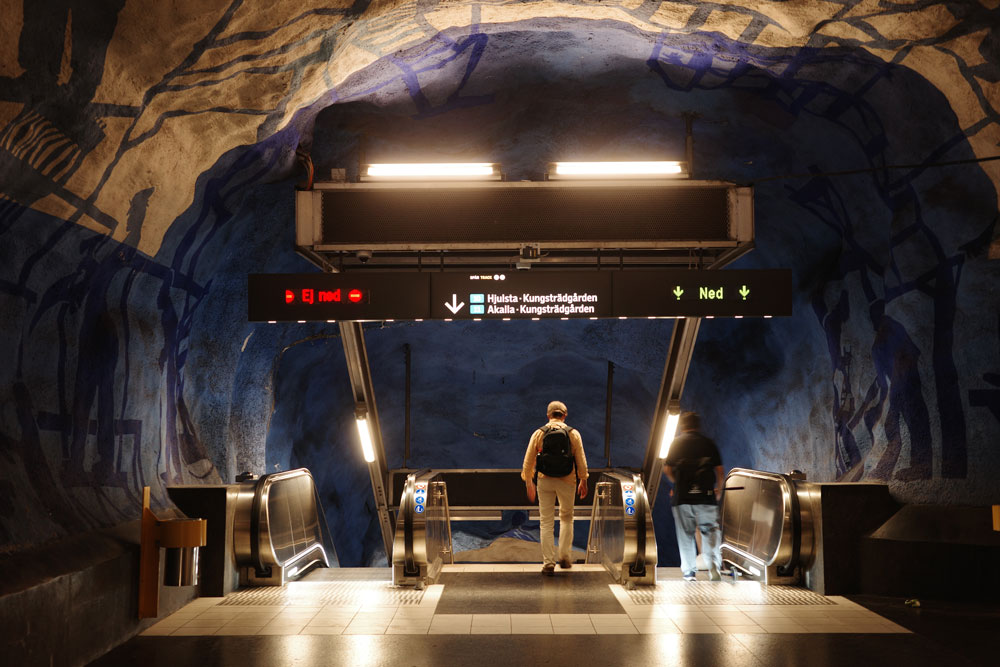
(548, 569)
(565, 563)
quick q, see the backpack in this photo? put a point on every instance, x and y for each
(696, 480)
(555, 459)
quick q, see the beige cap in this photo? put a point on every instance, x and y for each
(556, 406)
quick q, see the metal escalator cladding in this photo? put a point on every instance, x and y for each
(422, 544)
(767, 523)
(277, 524)
(619, 532)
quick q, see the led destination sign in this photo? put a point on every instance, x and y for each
(518, 295)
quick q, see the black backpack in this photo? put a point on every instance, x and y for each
(556, 457)
(696, 479)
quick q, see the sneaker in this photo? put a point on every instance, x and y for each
(689, 577)
(565, 563)
(713, 575)
(548, 569)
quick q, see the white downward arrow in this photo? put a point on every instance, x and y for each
(454, 306)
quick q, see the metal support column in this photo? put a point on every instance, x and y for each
(669, 400)
(352, 336)
(675, 371)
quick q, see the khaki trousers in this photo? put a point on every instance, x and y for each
(549, 489)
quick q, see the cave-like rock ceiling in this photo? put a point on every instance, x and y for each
(148, 93)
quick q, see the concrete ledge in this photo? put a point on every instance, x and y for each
(932, 551)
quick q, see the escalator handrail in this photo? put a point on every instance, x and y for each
(638, 567)
(407, 507)
(787, 569)
(255, 512)
(409, 566)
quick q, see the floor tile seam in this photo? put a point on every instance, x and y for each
(378, 630)
(613, 624)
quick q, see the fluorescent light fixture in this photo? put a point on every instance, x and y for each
(659, 169)
(669, 431)
(430, 171)
(366, 439)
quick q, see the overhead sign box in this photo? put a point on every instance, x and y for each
(518, 295)
(470, 225)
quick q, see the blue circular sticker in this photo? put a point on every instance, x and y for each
(420, 500)
(628, 510)
(630, 501)
(419, 509)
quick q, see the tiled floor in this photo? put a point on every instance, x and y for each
(304, 612)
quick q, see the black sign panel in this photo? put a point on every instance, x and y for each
(723, 293)
(518, 295)
(285, 297)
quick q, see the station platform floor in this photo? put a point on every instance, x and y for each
(488, 614)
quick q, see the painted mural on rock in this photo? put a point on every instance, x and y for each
(145, 172)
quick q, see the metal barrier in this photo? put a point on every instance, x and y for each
(422, 543)
(621, 529)
(277, 532)
(767, 524)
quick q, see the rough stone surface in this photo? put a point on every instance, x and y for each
(147, 164)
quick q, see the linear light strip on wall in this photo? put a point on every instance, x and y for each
(432, 171)
(603, 169)
(669, 431)
(366, 439)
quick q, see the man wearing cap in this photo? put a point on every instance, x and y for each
(552, 487)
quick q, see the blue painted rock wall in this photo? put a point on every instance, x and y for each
(137, 192)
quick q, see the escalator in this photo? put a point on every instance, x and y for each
(621, 529)
(278, 528)
(767, 522)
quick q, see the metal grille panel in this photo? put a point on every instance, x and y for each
(314, 594)
(711, 593)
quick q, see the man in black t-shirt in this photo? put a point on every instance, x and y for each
(694, 466)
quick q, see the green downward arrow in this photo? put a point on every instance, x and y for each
(677, 292)
(744, 292)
